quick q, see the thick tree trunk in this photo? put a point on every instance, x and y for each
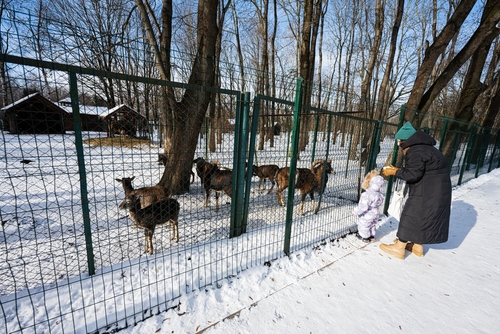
(183, 120)
(473, 86)
(494, 107)
(432, 53)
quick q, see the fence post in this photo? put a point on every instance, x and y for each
(293, 164)
(395, 149)
(315, 138)
(251, 150)
(443, 132)
(323, 176)
(483, 147)
(234, 230)
(494, 151)
(242, 162)
(374, 145)
(81, 169)
(467, 152)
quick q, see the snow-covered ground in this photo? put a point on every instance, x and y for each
(204, 278)
(44, 250)
(348, 287)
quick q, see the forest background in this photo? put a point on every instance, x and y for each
(435, 57)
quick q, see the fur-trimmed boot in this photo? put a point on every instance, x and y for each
(397, 248)
(416, 249)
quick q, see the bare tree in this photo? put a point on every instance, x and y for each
(473, 86)
(373, 56)
(97, 29)
(344, 23)
(320, 101)
(181, 128)
(215, 116)
(482, 36)
(367, 77)
(385, 93)
(263, 80)
(420, 99)
(4, 47)
(309, 35)
(488, 105)
(238, 46)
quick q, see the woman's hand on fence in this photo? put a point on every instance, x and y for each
(389, 170)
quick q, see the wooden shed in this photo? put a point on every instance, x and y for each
(90, 116)
(35, 114)
(124, 120)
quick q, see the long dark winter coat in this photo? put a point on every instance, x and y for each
(426, 215)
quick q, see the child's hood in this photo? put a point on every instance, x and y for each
(376, 183)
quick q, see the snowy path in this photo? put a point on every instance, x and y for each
(341, 288)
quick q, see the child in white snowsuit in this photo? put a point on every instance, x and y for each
(368, 209)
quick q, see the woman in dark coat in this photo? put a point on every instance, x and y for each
(426, 215)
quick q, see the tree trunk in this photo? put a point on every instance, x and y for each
(183, 120)
(484, 35)
(494, 106)
(472, 87)
(374, 52)
(238, 47)
(385, 94)
(432, 54)
(489, 101)
(273, 70)
(363, 137)
(310, 27)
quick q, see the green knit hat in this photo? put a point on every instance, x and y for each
(405, 132)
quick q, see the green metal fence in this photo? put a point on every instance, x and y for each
(69, 253)
(72, 262)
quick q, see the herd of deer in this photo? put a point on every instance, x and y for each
(152, 206)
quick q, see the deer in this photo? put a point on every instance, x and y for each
(146, 195)
(265, 172)
(214, 178)
(165, 211)
(308, 181)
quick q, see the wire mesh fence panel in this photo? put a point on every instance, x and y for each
(111, 211)
(71, 247)
(334, 158)
(46, 248)
(266, 217)
(325, 148)
(470, 149)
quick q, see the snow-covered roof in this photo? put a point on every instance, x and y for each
(20, 101)
(63, 104)
(118, 107)
(89, 110)
(112, 110)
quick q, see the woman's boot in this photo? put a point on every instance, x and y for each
(397, 249)
(416, 249)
